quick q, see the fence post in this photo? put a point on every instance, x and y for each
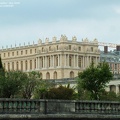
(45, 107)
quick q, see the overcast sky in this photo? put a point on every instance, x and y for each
(23, 21)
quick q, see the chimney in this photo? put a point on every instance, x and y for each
(118, 48)
(105, 49)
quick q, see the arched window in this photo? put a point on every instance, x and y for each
(79, 48)
(42, 61)
(35, 50)
(91, 49)
(55, 75)
(70, 60)
(41, 75)
(56, 60)
(42, 49)
(35, 63)
(30, 64)
(12, 65)
(17, 66)
(21, 65)
(49, 48)
(71, 74)
(26, 65)
(49, 61)
(8, 66)
(57, 47)
(4, 65)
(79, 61)
(47, 75)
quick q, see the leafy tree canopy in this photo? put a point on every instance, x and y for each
(11, 83)
(94, 78)
(29, 85)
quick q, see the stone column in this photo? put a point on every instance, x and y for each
(83, 62)
(43, 61)
(53, 61)
(10, 65)
(23, 65)
(39, 62)
(28, 61)
(33, 63)
(65, 60)
(68, 60)
(87, 61)
(36, 63)
(74, 61)
(19, 65)
(50, 61)
(77, 60)
(58, 60)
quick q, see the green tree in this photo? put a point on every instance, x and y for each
(11, 83)
(94, 79)
(42, 88)
(29, 85)
(82, 93)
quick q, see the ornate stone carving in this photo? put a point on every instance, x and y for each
(95, 40)
(47, 40)
(74, 38)
(54, 39)
(39, 41)
(63, 38)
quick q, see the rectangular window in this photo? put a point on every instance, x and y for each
(69, 47)
(91, 49)
(49, 48)
(26, 51)
(30, 51)
(12, 53)
(8, 54)
(57, 47)
(21, 52)
(17, 52)
(12, 65)
(4, 54)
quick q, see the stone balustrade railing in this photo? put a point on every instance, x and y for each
(23, 106)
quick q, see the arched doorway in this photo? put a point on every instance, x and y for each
(47, 75)
(112, 88)
(55, 75)
(71, 74)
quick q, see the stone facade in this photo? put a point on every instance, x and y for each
(54, 60)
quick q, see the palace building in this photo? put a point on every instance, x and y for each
(112, 58)
(55, 59)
